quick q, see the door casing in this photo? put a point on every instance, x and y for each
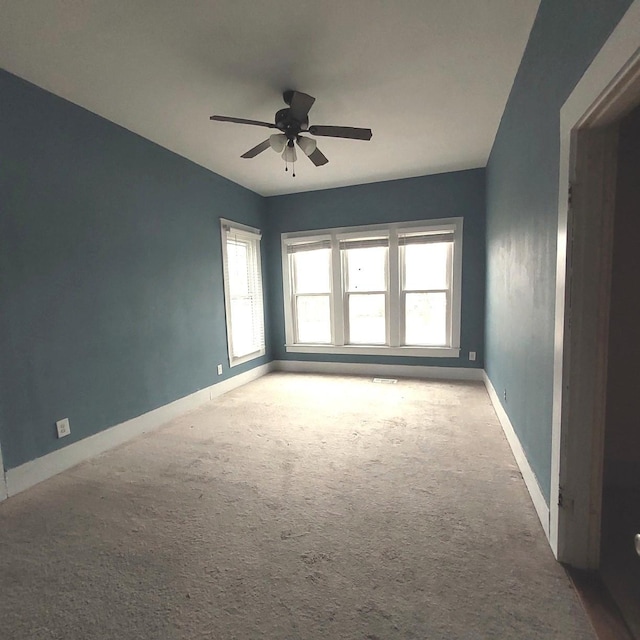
(609, 90)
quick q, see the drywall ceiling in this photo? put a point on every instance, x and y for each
(429, 77)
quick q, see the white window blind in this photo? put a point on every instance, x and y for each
(243, 292)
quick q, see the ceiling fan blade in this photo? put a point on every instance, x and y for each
(300, 105)
(243, 121)
(318, 158)
(354, 133)
(259, 148)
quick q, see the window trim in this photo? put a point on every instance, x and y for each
(254, 236)
(394, 295)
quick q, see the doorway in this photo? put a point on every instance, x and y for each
(620, 519)
(595, 435)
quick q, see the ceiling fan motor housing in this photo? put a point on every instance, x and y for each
(289, 125)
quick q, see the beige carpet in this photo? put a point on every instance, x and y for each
(297, 507)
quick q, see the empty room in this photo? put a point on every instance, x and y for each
(315, 319)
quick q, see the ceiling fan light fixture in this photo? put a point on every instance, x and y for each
(278, 141)
(289, 154)
(290, 123)
(308, 145)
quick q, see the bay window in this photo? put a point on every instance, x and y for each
(381, 289)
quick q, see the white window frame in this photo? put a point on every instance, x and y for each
(346, 294)
(253, 236)
(394, 309)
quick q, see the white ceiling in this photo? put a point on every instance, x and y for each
(429, 77)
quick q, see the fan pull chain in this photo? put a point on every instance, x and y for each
(293, 167)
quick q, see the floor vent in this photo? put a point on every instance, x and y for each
(385, 380)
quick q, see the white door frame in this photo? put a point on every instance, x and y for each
(3, 479)
(588, 143)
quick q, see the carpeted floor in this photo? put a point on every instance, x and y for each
(297, 507)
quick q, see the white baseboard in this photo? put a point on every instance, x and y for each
(238, 381)
(49, 465)
(16, 480)
(393, 370)
(530, 480)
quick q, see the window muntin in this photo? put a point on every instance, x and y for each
(393, 289)
(243, 292)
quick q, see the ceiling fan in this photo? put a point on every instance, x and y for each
(291, 122)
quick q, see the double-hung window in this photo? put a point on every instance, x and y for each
(426, 291)
(311, 291)
(242, 292)
(366, 289)
(382, 289)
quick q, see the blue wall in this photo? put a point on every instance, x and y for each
(111, 299)
(438, 196)
(522, 208)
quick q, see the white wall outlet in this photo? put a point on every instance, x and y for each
(219, 369)
(472, 355)
(63, 427)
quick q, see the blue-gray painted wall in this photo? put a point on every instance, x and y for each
(438, 196)
(522, 211)
(111, 300)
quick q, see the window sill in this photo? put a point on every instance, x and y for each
(242, 359)
(372, 350)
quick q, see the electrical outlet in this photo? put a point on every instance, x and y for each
(219, 369)
(472, 355)
(505, 395)
(63, 427)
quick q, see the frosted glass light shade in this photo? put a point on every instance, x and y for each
(278, 141)
(289, 154)
(308, 145)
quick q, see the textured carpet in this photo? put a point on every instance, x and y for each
(296, 507)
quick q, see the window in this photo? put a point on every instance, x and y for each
(242, 292)
(381, 289)
(311, 292)
(364, 263)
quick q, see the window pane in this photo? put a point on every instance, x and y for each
(243, 294)
(426, 319)
(238, 266)
(243, 332)
(314, 319)
(366, 269)
(367, 318)
(426, 265)
(312, 271)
